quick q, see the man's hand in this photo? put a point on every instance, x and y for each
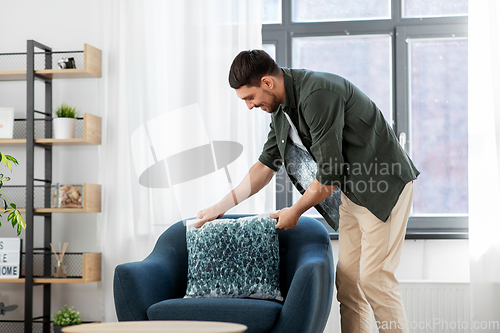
(208, 214)
(258, 176)
(315, 193)
(287, 218)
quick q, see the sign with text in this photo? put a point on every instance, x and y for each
(10, 255)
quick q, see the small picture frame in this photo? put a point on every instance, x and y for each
(6, 123)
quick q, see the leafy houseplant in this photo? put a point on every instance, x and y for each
(66, 317)
(66, 111)
(10, 208)
(65, 123)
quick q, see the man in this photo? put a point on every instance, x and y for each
(355, 149)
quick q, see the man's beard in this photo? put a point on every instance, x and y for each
(273, 106)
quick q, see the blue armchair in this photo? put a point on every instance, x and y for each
(153, 289)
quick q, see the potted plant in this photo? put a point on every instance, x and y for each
(10, 208)
(65, 123)
(66, 317)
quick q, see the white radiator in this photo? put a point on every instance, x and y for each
(431, 307)
(437, 307)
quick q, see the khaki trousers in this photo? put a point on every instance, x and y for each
(369, 253)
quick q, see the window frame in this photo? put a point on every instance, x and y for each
(400, 29)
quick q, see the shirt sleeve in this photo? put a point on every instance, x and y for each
(270, 155)
(324, 114)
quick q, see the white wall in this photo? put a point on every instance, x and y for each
(431, 260)
(63, 26)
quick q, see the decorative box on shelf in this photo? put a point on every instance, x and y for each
(90, 198)
(67, 196)
(79, 268)
(84, 198)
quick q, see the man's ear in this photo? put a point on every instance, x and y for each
(267, 81)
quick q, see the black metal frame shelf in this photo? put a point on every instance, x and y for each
(87, 67)
(88, 132)
(41, 137)
(91, 194)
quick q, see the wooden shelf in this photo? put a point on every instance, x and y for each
(12, 142)
(49, 280)
(91, 69)
(92, 127)
(91, 202)
(91, 272)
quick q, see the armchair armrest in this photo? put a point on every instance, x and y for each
(162, 275)
(309, 299)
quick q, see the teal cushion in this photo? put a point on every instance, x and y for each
(258, 315)
(234, 258)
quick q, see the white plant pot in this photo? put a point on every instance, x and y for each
(64, 128)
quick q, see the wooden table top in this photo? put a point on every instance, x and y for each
(158, 326)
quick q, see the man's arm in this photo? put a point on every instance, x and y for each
(315, 193)
(325, 120)
(257, 177)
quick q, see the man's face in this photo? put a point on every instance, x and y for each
(258, 97)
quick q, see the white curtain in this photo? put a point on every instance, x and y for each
(484, 163)
(167, 100)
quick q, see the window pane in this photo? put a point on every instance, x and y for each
(363, 60)
(429, 8)
(270, 49)
(271, 11)
(438, 115)
(339, 10)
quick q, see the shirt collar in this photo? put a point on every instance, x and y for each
(289, 89)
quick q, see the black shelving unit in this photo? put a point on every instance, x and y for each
(38, 64)
(30, 187)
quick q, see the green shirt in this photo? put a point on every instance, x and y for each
(347, 136)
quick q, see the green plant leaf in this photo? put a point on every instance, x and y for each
(5, 161)
(21, 220)
(14, 215)
(67, 316)
(66, 111)
(12, 159)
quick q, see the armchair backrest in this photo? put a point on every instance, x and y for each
(305, 242)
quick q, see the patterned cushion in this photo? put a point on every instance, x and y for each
(234, 258)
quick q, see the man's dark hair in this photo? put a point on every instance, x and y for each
(249, 67)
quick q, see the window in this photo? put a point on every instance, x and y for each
(410, 58)
(339, 10)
